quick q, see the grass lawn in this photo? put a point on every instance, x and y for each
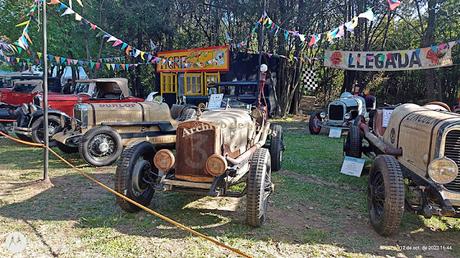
(315, 211)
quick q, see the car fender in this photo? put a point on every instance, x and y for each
(39, 113)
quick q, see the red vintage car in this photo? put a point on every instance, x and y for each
(24, 91)
(106, 90)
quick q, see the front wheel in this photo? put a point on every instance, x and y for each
(385, 195)
(314, 124)
(38, 131)
(259, 188)
(100, 146)
(276, 147)
(135, 175)
(352, 146)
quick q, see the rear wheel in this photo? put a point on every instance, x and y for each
(100, 146)
(259, 188)
(38, 131)
(386, 195)
(314, 124)
(135, 175)
(276, 147)
(352, 146)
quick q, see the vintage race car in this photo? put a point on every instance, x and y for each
(340, 113)
(416, 157)
(100, 131)
(214, 150)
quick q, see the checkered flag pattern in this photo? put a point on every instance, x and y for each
(310, 79)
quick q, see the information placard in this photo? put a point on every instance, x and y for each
(335, 132)
(215, 101)
(352, 166)
(386, 117)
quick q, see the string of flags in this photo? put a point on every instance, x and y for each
(330, 35)
(129, 50)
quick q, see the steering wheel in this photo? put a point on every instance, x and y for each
(441, 104)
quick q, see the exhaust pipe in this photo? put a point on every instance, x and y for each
(377, 142)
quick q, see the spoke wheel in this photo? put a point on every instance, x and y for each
(314, 124)
(100, 146)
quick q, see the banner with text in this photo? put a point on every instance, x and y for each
(420, 58)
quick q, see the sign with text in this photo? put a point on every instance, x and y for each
(352, 166)
(210, 59)
(335, 132)
(398, 60)
(215, 101)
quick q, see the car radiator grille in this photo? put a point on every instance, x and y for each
(336, 112)
(452, 151)
(195, 142)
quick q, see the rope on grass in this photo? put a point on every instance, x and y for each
(152, 212)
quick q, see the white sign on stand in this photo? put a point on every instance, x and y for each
(386, 117)
(335, 132)
(215, 101)
(352, 166)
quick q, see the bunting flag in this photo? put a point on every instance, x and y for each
(393, 4)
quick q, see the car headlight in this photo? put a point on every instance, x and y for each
(443, 170)
(33, 108)
(322, 115)
(216, 165)
(25, 109)
(81, 113)
(347, 116)
(164, 160)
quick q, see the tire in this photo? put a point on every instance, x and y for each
(100, 146)
(352, 146)
(135, 160)
(24, 137)
(386, 195)
(313, 124)
(176, 111)
(259, 188)
(276, 147)
(54, 124)
(66, 148)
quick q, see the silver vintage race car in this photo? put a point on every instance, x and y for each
(340, 113)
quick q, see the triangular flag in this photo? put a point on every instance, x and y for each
(58, 59)
(341, 32)
(39, 55)
(23, 23)
(68, 11)
(63, 60)
(108, 66)
(78, 17)
(351, 25)
(54, 2)
(27, 37)
(302, 37)
(123, 46)
(75, 62)
(123, 66)
(91, 64)
(98, 66)
(93, 26)
(69, 61)
(369, 14)
(62, 7)
(127, 66)
(117, 43)
(80, 3)
(128, 50)
(137, 52)
(113, 66)
(393, 4)
(142, 55)
(112, 39)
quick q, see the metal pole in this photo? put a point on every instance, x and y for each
(261, 39)
(45, 96)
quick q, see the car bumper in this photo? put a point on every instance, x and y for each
(337, 123)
